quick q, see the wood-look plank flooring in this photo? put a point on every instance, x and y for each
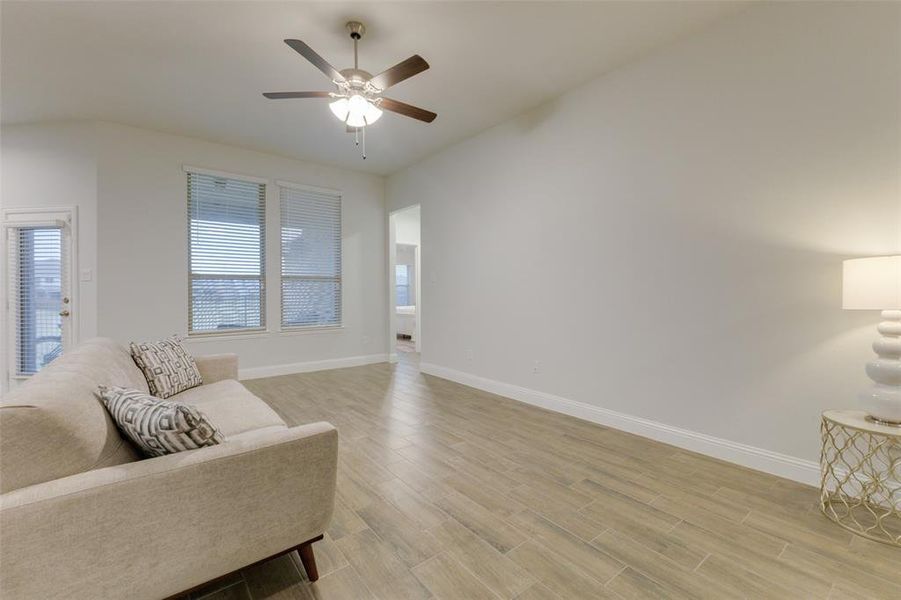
(448, 492)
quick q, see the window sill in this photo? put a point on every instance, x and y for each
(227, 335)
(310, 330)
(261, 333)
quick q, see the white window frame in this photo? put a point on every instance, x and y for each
(296, 329)
(65, 217)
(244, 331)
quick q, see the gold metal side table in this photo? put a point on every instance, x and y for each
(860, 467)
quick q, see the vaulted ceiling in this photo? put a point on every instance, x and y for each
(198, 68)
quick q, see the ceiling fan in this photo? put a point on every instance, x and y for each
(358, 101)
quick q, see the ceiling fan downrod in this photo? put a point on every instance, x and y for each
(357, 30)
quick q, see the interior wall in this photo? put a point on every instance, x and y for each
(130, 187)
(144, 289)
(666, 241)
(53, 165)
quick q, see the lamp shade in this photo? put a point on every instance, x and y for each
(872, 283)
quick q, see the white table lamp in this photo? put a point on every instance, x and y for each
(875, 284)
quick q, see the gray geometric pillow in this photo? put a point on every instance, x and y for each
(167, 366)
(157, 426)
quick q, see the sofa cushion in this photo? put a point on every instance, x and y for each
(231, 407)
(168, 367)
(54, 426)
(159, 427)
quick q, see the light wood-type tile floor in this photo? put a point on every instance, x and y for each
(449, 492)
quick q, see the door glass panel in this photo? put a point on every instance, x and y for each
(39, 297)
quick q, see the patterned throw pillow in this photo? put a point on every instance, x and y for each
(167, 366)
(158, 427)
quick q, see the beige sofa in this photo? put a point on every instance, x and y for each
(82, 515)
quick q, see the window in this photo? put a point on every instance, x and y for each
(402, 285)
(37, 271)
(40, 256)
(311, 257)
(226, 253)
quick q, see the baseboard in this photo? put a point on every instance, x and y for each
(782, 465)
(315, 365)
(392, 358)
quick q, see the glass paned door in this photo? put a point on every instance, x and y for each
(40, 295)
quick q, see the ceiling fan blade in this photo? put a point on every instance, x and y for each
(399, 72)
(284, 95)
(319, 62)
(407, 110)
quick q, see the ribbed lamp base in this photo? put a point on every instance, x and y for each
(883, 401)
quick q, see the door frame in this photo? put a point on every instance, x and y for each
(65, 217)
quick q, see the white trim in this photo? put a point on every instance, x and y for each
(392, 358)
(782, 465)
(308, 188)
(310, 329)
(225, 174)
(218, 334)
(315, 365)
(62, 212)
(14, 224)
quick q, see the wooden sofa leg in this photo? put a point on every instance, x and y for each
(307, 559)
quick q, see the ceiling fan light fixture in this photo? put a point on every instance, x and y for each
(356, 106)
(340, 108)
(358, 101)
(372, 113)
(356, 111)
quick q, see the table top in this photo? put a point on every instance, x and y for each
(857, 419)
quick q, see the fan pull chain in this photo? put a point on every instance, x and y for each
(364, 143)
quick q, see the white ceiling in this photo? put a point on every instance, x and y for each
(198, 68)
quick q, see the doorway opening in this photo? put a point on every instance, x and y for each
(405, 335)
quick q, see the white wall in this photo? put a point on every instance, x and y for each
(46, 166)
(408, 226)
(130, 187)
(667, 240)
(144, 285)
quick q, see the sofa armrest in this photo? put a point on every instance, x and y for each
(216, 367)
(156, 527)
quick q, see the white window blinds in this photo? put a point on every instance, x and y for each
(38, 278)
(226, 253)
(311, 257)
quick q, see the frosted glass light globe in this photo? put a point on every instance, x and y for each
(357, 105)
(372, 113)
(340, 108)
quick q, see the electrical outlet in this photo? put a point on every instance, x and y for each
(469, 354)
(536, 367)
